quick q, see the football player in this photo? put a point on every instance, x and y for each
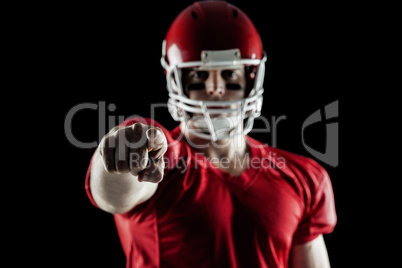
(206, 194)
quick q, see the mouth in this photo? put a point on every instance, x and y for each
(218, 106)
(218, 122)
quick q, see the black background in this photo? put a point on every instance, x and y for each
(110, 53)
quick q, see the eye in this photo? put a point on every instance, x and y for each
(200, 75)
(229, 74)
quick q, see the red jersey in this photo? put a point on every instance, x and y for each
(201, 216)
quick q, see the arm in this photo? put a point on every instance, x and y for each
(118, 183)
(312, 254)
(117, 193)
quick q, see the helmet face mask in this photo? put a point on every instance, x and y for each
(213, 120)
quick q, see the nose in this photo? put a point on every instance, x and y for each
(215, 84)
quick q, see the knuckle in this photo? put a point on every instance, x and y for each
(109, 166)
(108, 142)
(164, 148)
(154, 172)
(122, 166)
(114, 129)
(138, 160)
(135, 136)
(137, 127)
(156, 138)
(149, 176)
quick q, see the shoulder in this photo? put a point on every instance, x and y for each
(302, 172)
(311, 182)
(302, 165)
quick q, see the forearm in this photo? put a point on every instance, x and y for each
(117, 193)
(312, 254)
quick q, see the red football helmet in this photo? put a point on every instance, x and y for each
(213, 35)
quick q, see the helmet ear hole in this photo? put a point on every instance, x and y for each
(235, 14)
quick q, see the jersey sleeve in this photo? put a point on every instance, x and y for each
(319, 215)
(171, 157)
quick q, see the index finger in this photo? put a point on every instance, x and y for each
(156, 139)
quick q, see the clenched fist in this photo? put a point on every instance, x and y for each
(137, 149)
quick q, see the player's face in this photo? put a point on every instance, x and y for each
(220, 86)
(214, 85)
